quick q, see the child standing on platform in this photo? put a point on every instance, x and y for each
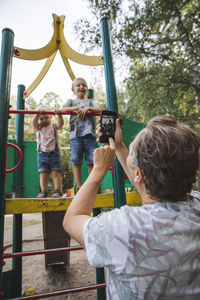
(82, 128)
(48, 151)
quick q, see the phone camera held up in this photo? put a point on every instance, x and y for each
(108, 119)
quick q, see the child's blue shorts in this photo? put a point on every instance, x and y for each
(48, 161)
(82, 145)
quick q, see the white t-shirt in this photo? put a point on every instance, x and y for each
(151, 252)
(80, 128)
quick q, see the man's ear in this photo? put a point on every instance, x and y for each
(137, 175)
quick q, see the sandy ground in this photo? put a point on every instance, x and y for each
(43, 279)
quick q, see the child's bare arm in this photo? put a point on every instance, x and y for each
(94, 109)
(60, 119)
(69, 108)
(35, 122)
(83, 111)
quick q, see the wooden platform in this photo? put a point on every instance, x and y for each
(33, 205)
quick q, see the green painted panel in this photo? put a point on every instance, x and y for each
(107, 181)
(130, 129)
(31, 175)
(8, 277)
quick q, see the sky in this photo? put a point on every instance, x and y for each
(31, 21)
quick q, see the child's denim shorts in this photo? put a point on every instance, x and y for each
(82, 145)
(48, 161)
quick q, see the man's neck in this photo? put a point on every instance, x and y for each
(146, 198)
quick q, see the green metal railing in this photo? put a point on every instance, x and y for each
(118, 173)
(18, 193)
(5, 84)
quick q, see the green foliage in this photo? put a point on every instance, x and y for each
(66, 169)
(158, 43)
(100, 97)
(159, 90)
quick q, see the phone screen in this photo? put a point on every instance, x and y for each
(108, 119)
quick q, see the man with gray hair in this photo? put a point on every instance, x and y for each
(151, 251)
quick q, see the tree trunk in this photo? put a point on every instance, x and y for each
(191, 55)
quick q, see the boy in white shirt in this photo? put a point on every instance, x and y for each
(82, 128)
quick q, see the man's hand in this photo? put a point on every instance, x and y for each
(104, 157)
(118, 133)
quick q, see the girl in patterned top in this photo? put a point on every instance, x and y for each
(48, 151)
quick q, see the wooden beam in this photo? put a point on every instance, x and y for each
(33, 205)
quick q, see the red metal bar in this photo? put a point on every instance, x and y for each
(111, 169)
(6, 157)
(20, 157)
(3, 262)
(48, 112)
(64, 292)
(38, 252)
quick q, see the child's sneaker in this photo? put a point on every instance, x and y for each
(56, 194)
(66, 194)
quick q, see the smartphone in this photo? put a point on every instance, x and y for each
(108, 119)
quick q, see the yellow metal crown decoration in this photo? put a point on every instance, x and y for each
(49, 51)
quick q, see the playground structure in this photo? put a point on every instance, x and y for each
(11, 281)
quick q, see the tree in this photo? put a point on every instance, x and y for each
(160, 42)
(157, 90)
(100, 97)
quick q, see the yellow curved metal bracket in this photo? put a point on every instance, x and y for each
(68, 52)
(68, 67)
(41, 75)
(44, 52)
(57, 42)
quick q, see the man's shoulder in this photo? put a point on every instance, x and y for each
(195, 194)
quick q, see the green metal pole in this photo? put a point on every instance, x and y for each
(118, 173)
(18, 193)
(100, 278)
(5, 84)
(19, 135)
(90, 94)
